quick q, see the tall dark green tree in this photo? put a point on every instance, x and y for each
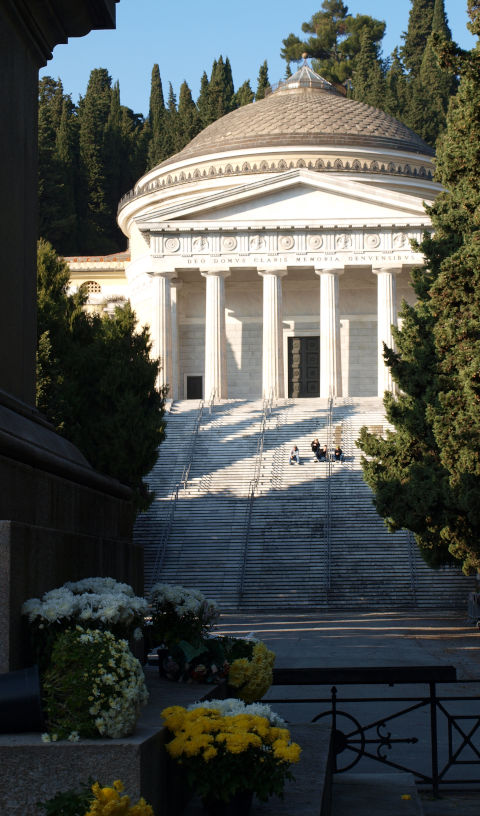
(220, 89)
(96, 380)
(430, 90)
(368, 76)
(94, 111)
(203, 102)
(188, 117)
(262, 81)
(156, 119)
(395, 87)
(335, 40)
(426, 475)
(416, 36)
(244, 94)
(171, 136)
(58, 165)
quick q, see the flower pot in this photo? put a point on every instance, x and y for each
(238, 805)
(20, 701)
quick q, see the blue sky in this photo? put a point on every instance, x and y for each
(185, 36)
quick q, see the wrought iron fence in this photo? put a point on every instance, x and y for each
(368, 727)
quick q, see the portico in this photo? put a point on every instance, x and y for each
(270, 256)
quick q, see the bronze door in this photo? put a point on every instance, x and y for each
(303, 367)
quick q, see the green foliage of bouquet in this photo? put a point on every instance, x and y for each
(179, 613)
(69, 803)
(93, 686)
(225, 753)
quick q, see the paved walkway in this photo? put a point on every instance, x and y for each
(366, 639)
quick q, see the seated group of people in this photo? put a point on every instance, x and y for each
(321, 454)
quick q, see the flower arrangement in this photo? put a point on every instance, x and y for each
(178, 613)
(252, 676)
(99, 602)
(93, 800)
(226, 753)
(233, 706)
(110, 802)
(93, 686)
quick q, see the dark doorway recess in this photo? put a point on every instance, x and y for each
(303, 367)
(194, 387)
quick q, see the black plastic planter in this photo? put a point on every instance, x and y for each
(20, 702)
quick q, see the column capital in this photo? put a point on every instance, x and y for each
(169, 274)
(222, 272)
(279, 272)
(393, 268)
(329, 270)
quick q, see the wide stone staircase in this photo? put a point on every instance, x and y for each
(232, 517)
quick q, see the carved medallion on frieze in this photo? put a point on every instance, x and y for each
(229, 243)
(314, 242)
(343, 241)
(200, 243)
(371, 240)
(257, 242)
(286, 242)
(401, 241)
(172, 244)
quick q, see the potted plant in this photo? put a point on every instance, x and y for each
(178, 613)
(101, 603)
(93, 687)
(230, 752)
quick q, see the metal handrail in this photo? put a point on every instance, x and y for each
(253, 486)
(328, 535)
(162, 548)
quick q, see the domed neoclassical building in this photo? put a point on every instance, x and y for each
(270, 255)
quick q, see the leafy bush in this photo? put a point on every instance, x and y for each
(93, 686)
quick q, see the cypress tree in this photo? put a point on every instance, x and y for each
(220, 89)
(66, 144)
(171, 137)
(426, 475)
(203, 102)
(94, 111)
(262, 81)
(430, 90)
(188, 117)
(415, 38)
(368, 79)
(57, 151)
(156, 117)
(395, 87)
(244, 94)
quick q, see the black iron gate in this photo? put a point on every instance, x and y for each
(452, 722)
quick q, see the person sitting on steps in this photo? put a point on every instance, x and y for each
(294, 455)
(338, 453)
(316, 449)
(323, 454)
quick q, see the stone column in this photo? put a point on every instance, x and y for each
(215, 336)
(330, 358)
(163, 332)
(272, 366)
(176, 285)
(386, 318)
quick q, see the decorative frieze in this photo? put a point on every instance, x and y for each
(296, 248)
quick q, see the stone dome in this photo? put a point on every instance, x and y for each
(305, 110)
